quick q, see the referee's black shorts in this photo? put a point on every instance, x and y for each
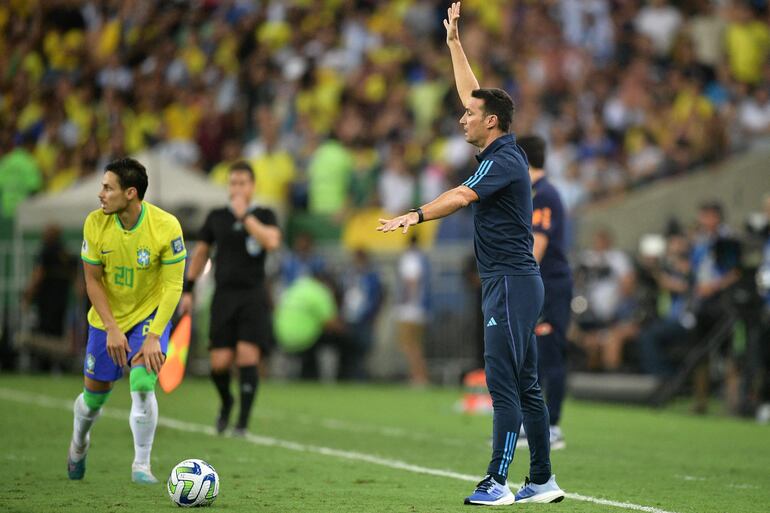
(240, 315)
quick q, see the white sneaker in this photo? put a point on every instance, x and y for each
(547, 492)
(490, 493)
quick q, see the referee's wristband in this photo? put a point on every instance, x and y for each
(188, 285)
(420, 217)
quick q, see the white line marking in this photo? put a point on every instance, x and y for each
(190, 427)
(351, 427)
(690, 478)
(742, 486)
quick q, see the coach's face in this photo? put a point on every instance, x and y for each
(475, 122)
(113, 198)
(241, 185)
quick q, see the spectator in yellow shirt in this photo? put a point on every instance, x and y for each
(182, 117)
(231, 153)
(274, 168)
(748, 44)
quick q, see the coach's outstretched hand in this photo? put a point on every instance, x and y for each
(450, 23)
(405, 221)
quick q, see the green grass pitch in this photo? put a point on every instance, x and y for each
(371, 449)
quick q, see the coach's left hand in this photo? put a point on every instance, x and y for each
(405, 221)
(150, 351)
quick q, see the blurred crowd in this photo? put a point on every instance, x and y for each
(693, 300)
(348, 104)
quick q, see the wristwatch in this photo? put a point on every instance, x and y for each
(419, 214)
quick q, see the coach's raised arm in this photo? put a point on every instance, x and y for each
(464, 78)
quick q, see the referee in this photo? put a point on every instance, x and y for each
(511, 287)
(240, 328)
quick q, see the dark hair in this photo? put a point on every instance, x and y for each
(534, 147)
(242, 166)
(130, 174)
(712, 206)
(497, 102)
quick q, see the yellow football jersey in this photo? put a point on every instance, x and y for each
(132, 261)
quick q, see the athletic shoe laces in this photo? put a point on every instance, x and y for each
(527, 484)
(485, 485)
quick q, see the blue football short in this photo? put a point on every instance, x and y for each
(99, 366)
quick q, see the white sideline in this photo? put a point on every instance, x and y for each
(190, 427)
(351, 427)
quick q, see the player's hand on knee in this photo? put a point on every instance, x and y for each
(186, 303)
(151, 352)
(117, 346)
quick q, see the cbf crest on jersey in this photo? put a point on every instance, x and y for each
(143, 257)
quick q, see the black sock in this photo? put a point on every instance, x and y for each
(222, 382)
(248, 387)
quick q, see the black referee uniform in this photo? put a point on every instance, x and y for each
(240, 311)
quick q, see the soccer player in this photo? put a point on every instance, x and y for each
(133, 255)
(548, 226)
(240, 328)
(512, 291)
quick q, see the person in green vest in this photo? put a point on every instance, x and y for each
(305, 318)
(20, 176)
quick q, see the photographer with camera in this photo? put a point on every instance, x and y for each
(761, 335)
(674, 280)
(716, 260)
(605, 281)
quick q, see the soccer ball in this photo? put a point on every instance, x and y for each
(193, 483)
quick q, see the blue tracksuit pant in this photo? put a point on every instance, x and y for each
(552, 345)
(511, 306)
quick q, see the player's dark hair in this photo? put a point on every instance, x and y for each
(130, 174)
(242, 166)
(497, 102)
(534, 147)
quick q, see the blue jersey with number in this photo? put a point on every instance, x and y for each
(548, 218)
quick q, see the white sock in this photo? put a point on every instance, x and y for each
(84, 419)
(143, 419)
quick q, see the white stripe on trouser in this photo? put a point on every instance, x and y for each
(510, 454)
(510, 443)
